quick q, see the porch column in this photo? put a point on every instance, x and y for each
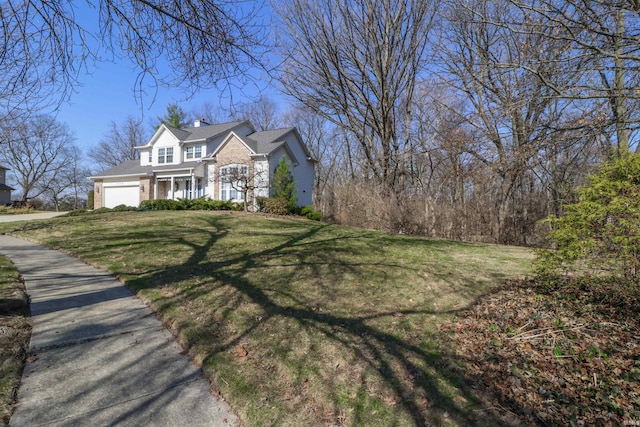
(155, 188)
(173, 191)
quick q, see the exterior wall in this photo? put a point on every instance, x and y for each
(146, 188)
(98, 195)
(261, 178)
(144, 157)
(5, 197)
(303, 173)
(243, 130)
(165, 140)
(233, 152)
(209, 181)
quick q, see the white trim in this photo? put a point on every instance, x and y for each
(103, 177)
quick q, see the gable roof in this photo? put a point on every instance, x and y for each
(4, 186)
(203, 133)
(267, 141)
(197, 134)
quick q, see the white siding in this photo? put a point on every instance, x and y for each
(166, 140)
(303, 172)
(261, 178)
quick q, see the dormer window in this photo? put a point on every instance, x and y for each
(165, 155)
(194, 152)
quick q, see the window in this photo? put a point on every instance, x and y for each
(165, 155)
(233, 180)
(194, 152)
(150, 156)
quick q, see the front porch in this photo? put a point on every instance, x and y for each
(176, 187)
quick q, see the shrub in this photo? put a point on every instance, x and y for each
(200, 204)
(314, 215)
(275, 206)
(123, 208)
(76, 212)
(308, 212)
(601, 233)
(102, 210)
(90, 201)
(159, 205)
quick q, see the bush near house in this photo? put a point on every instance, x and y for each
(199, 204)
(284, 187)
(273, 205)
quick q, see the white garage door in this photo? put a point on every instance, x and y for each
(114, 196)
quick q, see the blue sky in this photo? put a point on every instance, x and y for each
(106, 94)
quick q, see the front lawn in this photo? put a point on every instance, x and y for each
(298, 322)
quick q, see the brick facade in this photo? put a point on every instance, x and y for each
(146, 188)
(98, 195)
(233, 152)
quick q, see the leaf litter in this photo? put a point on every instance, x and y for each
(566, 354)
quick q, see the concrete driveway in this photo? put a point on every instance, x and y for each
(29, 217)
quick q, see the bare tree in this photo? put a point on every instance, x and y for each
(46, 44)
(503, 73)
(209, 113)
(603, 36)
(262, 113)
(356, 64)
(117, 146)
(67, 185)
(246, 180)
(37, 152)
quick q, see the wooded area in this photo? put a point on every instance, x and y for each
(460, 119)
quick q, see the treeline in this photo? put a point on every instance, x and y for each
(462, 119)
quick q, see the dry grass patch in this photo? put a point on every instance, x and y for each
(298, 322)
(15, 330)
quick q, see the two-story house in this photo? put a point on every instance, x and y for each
(5, 190)
(217, 161)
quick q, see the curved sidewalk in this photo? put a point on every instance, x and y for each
(99, 356)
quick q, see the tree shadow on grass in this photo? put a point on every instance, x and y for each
(409, 371)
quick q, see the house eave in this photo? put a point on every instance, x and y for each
(128, 175)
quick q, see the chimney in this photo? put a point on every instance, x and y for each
(199, 123)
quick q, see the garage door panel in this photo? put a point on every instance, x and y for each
(114, 196)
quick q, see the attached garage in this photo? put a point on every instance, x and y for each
(122, 194)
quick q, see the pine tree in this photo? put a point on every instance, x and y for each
(283, 184)
(174, 117)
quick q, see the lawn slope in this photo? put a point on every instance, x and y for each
(298, 322)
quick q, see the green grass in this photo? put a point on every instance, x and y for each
(7, 210)
(340, 324)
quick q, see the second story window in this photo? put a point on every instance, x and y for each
(165, 155)
(194, 152)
